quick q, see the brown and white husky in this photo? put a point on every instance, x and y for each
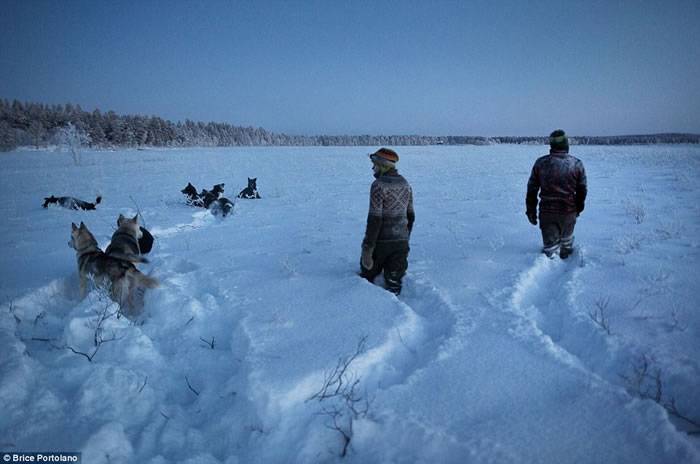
(126, 284)
(125, 241)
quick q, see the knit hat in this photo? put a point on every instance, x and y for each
(558, 141)
(385, 157)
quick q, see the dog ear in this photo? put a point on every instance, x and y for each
(73, 226)
(136, 218)
(120, 219)
(82, 226)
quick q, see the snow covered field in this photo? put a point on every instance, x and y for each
(493, 353)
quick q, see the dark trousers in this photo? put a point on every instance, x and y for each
(557, 233)
(392, 259)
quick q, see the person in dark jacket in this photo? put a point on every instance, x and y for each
(560, 180)
(389, 223)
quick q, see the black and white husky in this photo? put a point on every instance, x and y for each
(251, 191)
(71, 203)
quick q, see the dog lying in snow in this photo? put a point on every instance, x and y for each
(126, 284)
(127, 240)
(209, 199)
(192, 196)
(71, 203)
(250, 192)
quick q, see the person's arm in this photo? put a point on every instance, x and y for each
(533, 187)
(410, 214)
(374, 217)
(581, 188)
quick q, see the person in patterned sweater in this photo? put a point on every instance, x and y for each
(389, 223)
(560, 180)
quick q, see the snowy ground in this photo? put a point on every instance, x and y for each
(491, 354)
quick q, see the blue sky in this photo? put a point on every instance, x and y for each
(356, 67)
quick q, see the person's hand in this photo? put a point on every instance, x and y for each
(532, 217)
(366, 260)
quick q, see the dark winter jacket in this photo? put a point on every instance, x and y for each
(391, 215)
(561, 181)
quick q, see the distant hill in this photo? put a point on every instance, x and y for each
(39, 125)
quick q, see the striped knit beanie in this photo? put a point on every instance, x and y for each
(385, 157)
(558, 141)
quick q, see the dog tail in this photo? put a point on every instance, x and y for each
(131, 296)
(144, 281)
(98, 200)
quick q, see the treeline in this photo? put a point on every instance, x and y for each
(40, 125)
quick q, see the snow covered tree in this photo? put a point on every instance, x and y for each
(72, 139)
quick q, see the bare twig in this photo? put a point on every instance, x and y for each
(336, 380)
(345, 432)
(340, 388)
(649, 385)
(138, 211)
(210, 344)
(144, 384)
(409, 349)
(190, 386)
(39, 317)
(598, 315)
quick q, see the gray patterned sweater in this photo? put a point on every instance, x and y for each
(391, 215)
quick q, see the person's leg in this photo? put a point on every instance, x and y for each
(395, 267)
(568, 222)
(378, 256)
(551, 234)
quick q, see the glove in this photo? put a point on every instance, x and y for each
(532, 217)
(366, 261)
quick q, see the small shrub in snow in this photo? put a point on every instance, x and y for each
(645, 380)
(341, 400)
(102, 315)
(599, 316)
(70, 138)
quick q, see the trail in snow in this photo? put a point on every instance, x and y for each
(546, 301)
(192, 353)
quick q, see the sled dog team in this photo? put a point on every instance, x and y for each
(558, 178)
(115, 267)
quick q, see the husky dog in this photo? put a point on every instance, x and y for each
(193, 198)
(203, 199)
(221, 206)
(210, 199)
(210, 196)
(126, 283)
(250, 192)
(71, 203)
(125, 241)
